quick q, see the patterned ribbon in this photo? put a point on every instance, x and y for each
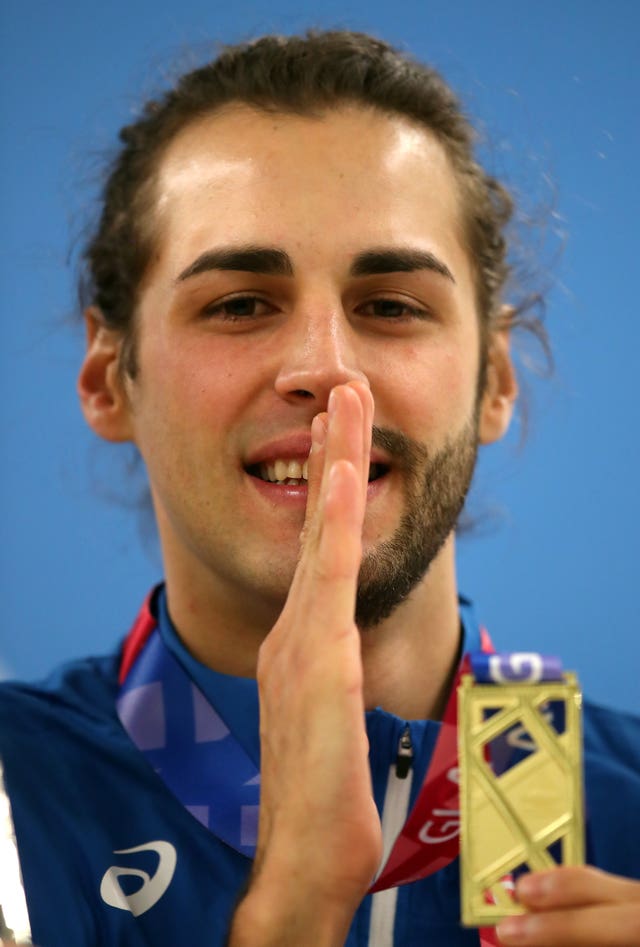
(190, 746)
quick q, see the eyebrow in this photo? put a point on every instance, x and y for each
(266, 260)
(271, 261)
(398, 260)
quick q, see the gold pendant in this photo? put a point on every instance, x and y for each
(512, 820)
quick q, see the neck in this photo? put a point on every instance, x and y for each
(220, 625)
(408, 660)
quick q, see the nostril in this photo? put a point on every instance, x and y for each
(302, 393)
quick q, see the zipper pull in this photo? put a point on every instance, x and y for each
(404, 759)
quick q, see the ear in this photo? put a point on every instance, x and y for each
(500, 391)
(101, 390)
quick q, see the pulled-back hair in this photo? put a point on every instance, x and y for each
(304, 75)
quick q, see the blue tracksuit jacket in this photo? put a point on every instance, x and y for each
(83, 795)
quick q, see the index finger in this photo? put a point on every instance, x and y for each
(342, 433)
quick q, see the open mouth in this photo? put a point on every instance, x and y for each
(293, 473)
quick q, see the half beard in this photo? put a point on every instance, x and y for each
(437, 486)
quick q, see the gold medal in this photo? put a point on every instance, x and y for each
(514, 819)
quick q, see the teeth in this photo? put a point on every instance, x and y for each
(284, 471)
(291, 471)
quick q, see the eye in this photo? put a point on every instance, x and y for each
(393, 310)
(236, 308)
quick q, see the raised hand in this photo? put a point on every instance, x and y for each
(319, 841)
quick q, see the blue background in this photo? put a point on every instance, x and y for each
(555, 88)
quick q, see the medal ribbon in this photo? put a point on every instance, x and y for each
(191, 748)
(429, 839)
(185, 740)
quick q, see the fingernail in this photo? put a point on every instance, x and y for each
(512, 929)
(533, 887)
(331, 407)
(318, 432)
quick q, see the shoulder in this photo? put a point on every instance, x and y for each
(77, 696)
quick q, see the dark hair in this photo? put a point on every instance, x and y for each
(302, 75)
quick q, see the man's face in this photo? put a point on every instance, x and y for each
(295, 254)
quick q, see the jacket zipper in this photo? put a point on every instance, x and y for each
(394, 815)
(404, 758)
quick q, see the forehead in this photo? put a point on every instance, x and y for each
(344, 179)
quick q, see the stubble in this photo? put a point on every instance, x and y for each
(437, 484)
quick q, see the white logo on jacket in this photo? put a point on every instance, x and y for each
(153, 887)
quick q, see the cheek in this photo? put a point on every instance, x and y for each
(198, 379)
(426, 391)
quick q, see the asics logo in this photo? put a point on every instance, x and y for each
(152, 888)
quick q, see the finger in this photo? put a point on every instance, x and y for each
(342, 438)
(609, 925)
(331, 548)
(327, 576)
(339, 435)
(340, 547)
(366, 399)
(572, 887)
(345, 431)
(315, 466)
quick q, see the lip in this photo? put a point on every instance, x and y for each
(281, 493)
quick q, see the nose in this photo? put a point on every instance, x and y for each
(320, 352)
